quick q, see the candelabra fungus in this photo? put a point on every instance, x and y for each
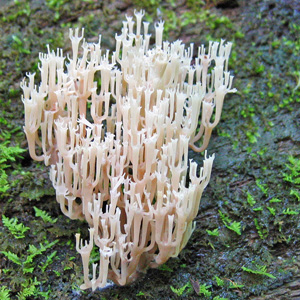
(115, 129)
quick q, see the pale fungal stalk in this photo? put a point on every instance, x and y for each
(121, 146)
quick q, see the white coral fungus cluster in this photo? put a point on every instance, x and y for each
(116, 129)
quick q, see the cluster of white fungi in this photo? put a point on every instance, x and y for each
(115, 129)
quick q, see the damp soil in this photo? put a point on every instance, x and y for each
(246, 244)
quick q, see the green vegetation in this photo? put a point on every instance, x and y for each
(259, 270)
(293, 175)
(164, 267)
(219, 281)
(44, 215)
(4, 293)
(232, 225)
(17, 230)
(180, 291)
(26, 261)
(250, 199)
(28, 287)
(204, 290)
(33, 258)
(7, 155)
(214, 232)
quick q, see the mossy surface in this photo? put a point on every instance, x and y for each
(247, 240)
